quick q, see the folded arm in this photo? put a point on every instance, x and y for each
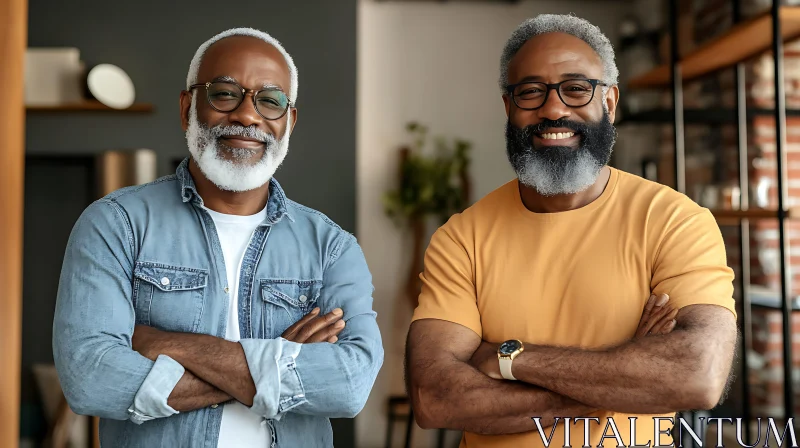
(193, 393)
(217, 367)
(99, 372)
(684, 370)
(447, 392)
(274, 376)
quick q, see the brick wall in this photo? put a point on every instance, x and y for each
(712, 159)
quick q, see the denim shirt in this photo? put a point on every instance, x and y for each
(151, 255)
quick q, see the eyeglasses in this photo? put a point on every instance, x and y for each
(225, 96)
(572, 92)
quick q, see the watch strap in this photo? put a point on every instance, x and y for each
(505, 368)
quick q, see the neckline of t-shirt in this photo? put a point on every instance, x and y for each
(611, 186)
(238, 219)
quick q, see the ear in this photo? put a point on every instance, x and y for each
(185, 105)
(293, 111)
(612, 99)
(507, 103)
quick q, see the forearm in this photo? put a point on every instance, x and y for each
(685, 369)
(637, 378)
(192, 393)
(454, 395)
(216, 361)
(493, 425)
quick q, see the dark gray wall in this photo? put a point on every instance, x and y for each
(154, 41)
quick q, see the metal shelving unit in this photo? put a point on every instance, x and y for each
(747, 38)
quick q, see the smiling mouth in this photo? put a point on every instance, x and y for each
(242, 139)
(235, 141)
(556, 135)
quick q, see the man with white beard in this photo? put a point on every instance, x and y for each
(532, 299)
(206, 308)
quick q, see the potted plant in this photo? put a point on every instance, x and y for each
(432, 185)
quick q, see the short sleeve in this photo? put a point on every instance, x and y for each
(448, 286)
(691, 265)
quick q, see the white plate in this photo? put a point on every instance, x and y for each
(111, 86)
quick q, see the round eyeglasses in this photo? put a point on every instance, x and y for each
(572, 92)
(225, 96)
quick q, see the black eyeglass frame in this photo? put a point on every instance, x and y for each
(289, 103)
(557, 87)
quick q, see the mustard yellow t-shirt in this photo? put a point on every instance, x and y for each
(577, 278)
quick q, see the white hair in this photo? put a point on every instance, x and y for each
(558, 23)
(194, 67)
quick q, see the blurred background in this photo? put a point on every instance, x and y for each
(400, 125)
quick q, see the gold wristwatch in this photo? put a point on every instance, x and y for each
(506, 353)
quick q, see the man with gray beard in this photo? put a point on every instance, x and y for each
(206, 308)
(547, 298)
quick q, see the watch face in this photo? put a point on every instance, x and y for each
(509, 347)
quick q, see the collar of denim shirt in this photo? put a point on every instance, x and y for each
(276, 204)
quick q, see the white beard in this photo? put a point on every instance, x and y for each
(233, 175)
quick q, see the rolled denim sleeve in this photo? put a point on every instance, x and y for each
(150, 401)
(99, 372)
(272, 366)
(331, 380)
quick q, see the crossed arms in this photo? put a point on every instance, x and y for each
(452, 374)
(102, 375)
(451, 387)
(216, 369)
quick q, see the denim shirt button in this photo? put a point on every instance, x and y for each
(214, 406)
(165, 281)
(303, 299)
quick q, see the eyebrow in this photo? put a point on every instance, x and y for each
(563, 76)
(232, 79)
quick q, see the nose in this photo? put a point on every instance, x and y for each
(553, 108)
(246, 114)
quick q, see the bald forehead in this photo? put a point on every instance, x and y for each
(244, 57)
(555, 54)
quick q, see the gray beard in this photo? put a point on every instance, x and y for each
(560, 170)
(571, 175)
(240, 153)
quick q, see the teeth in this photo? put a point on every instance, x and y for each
(557, 135)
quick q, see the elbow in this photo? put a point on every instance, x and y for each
(81, 406)
(705, 394)
(84, 398)
(85, 404)
(702, 398)
(353, 408)
(703, 389)
(424, 408)
(77, 393)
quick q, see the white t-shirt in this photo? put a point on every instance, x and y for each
(240, 427)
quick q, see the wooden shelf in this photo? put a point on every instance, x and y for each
(710, 116)
(740, 43)
(733, 217)
(89, 106)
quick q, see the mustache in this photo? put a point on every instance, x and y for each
(252, 132)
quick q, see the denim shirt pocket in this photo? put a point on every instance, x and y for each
(285, 302)
(169, 297)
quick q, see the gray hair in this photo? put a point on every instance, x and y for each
(556, 23)
(194, 66)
